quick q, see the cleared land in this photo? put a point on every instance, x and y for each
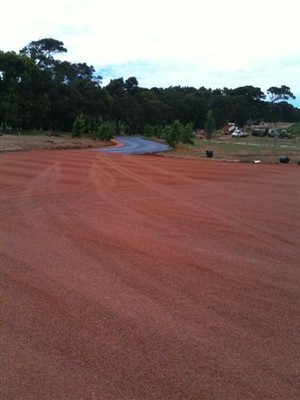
(147, 277)
(225, 148)
(249, 149)
(13, 142)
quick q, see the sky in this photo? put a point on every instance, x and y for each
(210, 43)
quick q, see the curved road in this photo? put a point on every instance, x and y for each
(135, 145)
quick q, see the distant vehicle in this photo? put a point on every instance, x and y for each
(271, 132)
(260, 132)
(279, 134)
(238, 133)
(229, 128)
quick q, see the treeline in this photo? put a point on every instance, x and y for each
(39, 91)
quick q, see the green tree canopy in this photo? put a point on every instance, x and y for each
(38, 91)
(280, 93)
(42, 51)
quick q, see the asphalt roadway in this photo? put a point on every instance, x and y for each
(135, 145)
(139, 277)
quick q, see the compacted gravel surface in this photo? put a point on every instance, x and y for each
(144, 277)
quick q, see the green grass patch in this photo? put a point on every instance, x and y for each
(245, 149)
(249, 145)
(294, 129)
(224, 146)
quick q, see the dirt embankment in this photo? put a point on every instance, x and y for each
(48, 142)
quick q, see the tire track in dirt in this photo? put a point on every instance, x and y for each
(71, 225)
(253, 236)
(191, 253)
(118, 289)
(171, 195)
(45, 182)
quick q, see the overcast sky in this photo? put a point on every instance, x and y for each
(210, 43)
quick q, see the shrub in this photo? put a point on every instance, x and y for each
(79, 126)
(210, 124)
(176, 132)
(152, 130)
(104, 131)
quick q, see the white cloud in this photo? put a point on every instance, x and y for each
(213, 43)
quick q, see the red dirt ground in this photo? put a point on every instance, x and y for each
(143, 277)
